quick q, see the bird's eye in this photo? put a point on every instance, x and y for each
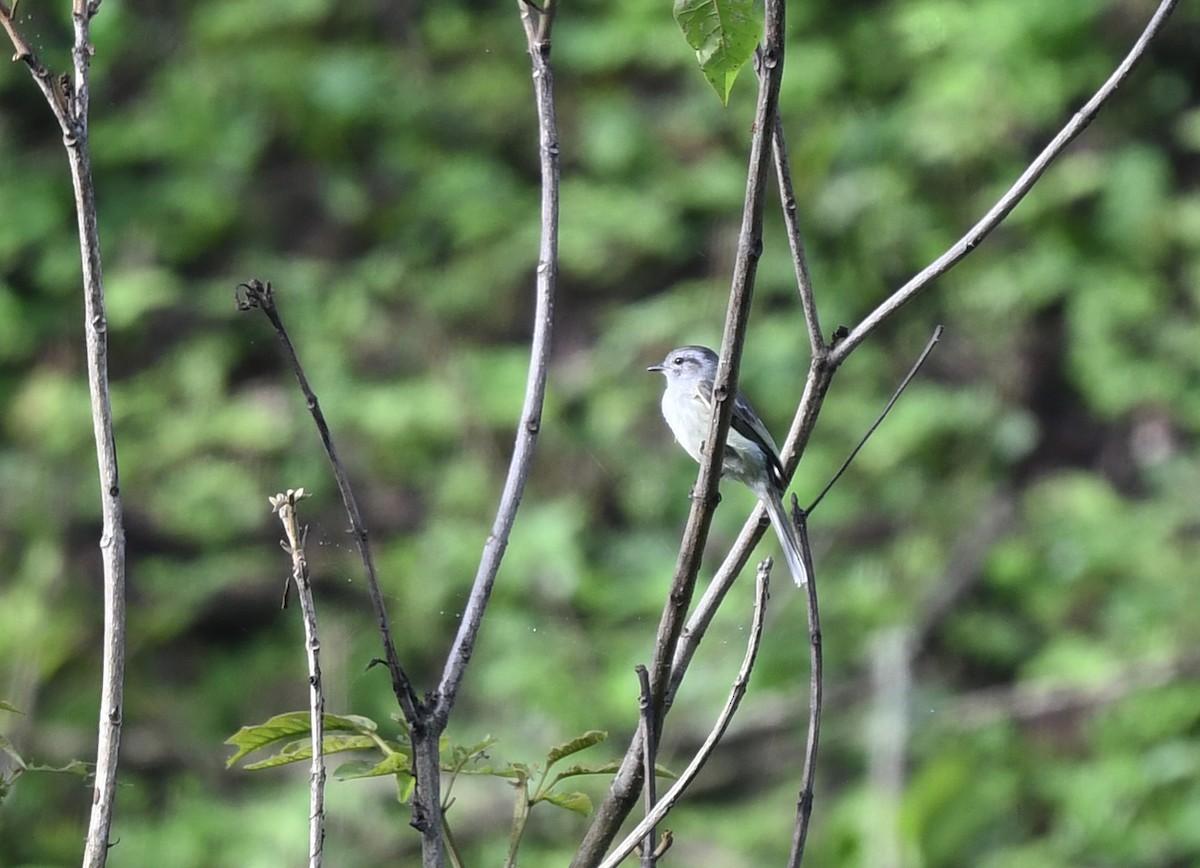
(678, 360)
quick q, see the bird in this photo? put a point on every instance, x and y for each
(751, 456)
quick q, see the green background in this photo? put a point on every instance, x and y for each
(1028, 519)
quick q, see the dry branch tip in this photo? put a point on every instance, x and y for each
(253, 294)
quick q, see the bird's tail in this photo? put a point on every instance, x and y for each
(787, 536)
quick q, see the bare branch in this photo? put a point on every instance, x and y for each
(260, 295)
(646, 711)
(804, 804)
(285, 505)
(68, 99)
(736, 693)
(50, 86)
(1009, 200)
(787, 195)
(537, 32)
(887, 743)
(623, 791)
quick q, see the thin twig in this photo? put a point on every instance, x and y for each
(426, 804)
(426, 808)
(50, 86)
(1009, 200)
(787, 196)
(804, 803)
(646, 712)
(912, 372)
(285, 505)
(68, 99)
(260, 295)
(537, 32)
(738, 690)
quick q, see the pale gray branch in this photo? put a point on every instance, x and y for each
(285, 505)
(68, 99)
(816, 692)
(537, 29)
(791, 220)
(1009, 200)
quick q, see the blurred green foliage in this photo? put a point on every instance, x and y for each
(377, 163)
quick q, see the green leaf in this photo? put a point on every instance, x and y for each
(661, 771)
(479, 748)
(575, 745)
(299, 751)
(74, 767)
(607, 768)
(460, 755)
(724, 34)
(284, 727)
(395, 763)
(510, 771)
(577, 802)
(7, 706)
(405, 784)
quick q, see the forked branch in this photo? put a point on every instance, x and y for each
(737, 691)
(68, 99)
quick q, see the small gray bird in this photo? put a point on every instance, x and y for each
(751, 456)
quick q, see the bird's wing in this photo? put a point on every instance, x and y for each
(747, 423)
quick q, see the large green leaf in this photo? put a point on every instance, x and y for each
(285, 727)
(724, 34)
(301, 750)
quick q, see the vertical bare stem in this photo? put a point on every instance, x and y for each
(787, 195)
(68, 99)
(804, 804)
(646, 710)
(887, 740)
(538, 24)
(285, 505)
(71, 110)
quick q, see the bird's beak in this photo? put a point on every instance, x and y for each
(658, 369)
